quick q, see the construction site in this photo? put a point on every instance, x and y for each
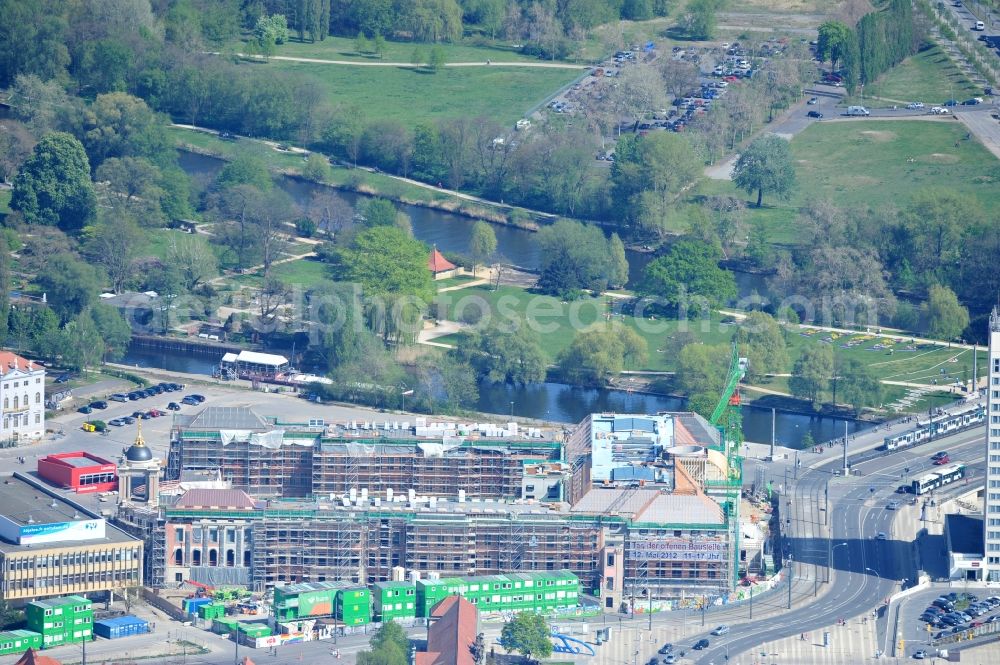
(644, 509)
(269, 458)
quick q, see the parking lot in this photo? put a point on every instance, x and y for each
(156, 430)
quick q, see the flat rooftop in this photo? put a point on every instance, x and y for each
(23, 502)
(81, 462)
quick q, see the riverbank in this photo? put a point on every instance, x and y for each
(289, 161)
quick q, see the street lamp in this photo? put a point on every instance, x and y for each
(829, 560)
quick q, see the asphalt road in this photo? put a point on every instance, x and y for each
(865, 570)
(968, 19)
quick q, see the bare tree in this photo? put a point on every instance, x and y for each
(679, 76)
(637, 91)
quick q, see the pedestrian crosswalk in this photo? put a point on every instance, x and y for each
(850, 644)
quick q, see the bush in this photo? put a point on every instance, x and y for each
(99, 425)
(305, 227)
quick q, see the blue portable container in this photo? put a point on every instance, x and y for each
(120, 627)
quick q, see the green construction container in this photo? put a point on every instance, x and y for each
(309, 599)
(394, 600)
(63, 620)
(254, 630)
(223, 626)
(432, 592)
(212, 611)
(17, 641)
(354, 605)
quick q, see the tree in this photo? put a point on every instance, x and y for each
(70, 285)
(649, 174)
(379, 212)
(763, 343)
(946, 317)
(505, 354)
(131, 185)
(391, 269)
(436, 59)
(317, 168)
(120, 125)
(361, 43)
(833, 42)
(812, 372)
(273, 29)
(699, 20)
(637, 93)
(53, 186)
(688, 273)
(575, 256)
(597, 354)
(114, 330)
(192, 258)
(82, 346)
(701, 370)
(766, 164)
(15, 147)
(483, 243)
(247, 168)
(858, 385)
(10, 617)
(528, 634)
(389, 646)
(618, 275)
(378, 45)
(113, 245)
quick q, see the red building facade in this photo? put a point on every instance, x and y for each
(79, 471)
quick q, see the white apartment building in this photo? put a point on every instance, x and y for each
(22, 394)
(991, 501)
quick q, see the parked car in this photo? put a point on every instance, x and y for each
(99, 404)
(128, 420)
(700, 644)
(116, 422)
(920, 655)
(937, 110)
(118, 397)
(190, 401)
(86, 408)
(665, 649)
(892, 505)
(951, 102)
(814, 114)
(915, 105)
(173, 406)
(813, 100)
(971, 102)
(200, 398)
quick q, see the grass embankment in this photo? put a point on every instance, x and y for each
(929, 77)
(343, 48)
(357, 180)
(558, 322)
(414, 96)
(877, 163)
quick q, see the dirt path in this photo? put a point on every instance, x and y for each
(410, 65)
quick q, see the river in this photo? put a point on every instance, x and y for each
(451, 233)
(548, 401)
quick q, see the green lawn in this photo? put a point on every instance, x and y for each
(303, 272)
(876, 163)
(928, 77)
(458, 280)
(342, 48)
(415, 96)
(558, 322)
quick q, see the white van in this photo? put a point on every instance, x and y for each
(857, 110)
(979, 26)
